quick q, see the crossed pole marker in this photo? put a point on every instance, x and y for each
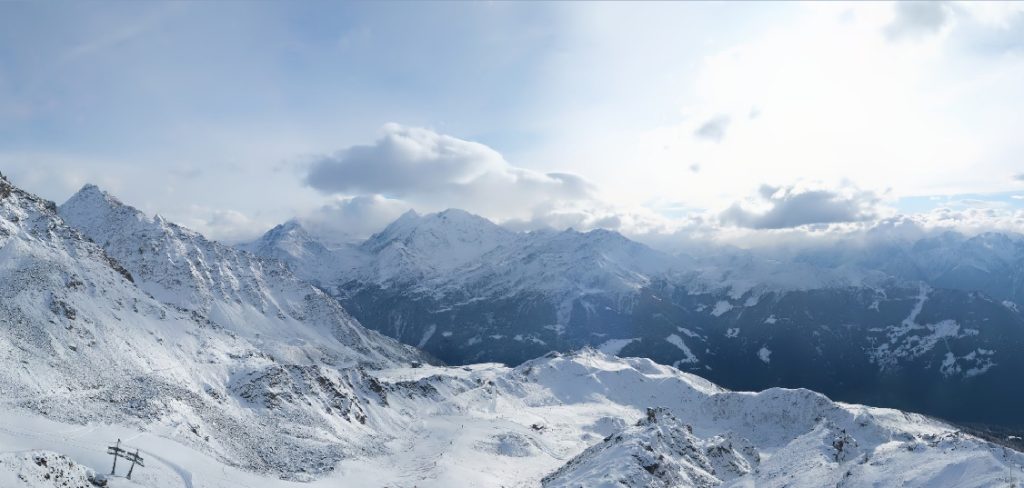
(117, 452)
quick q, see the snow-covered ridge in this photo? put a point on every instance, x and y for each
(590, 419)
(831, 318)
(452, 237)
(305, 255)
(82, 342)
(447, 245)
(659, 450)
(456, 249)
(257, 298)
(455, 255)
(46, 469)
(88, 357)
(421, 247)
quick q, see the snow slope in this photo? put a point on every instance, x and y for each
(589, 419)
(253, 297)
(534, 421)
(83, 342)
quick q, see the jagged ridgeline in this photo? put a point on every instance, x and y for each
(930, 325)
(228, 370)
(240, 358)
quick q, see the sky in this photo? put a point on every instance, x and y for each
(733, 121)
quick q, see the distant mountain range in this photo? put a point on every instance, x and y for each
(227, 369)
(929, 325)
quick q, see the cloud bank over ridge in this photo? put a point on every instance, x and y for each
(418, 168)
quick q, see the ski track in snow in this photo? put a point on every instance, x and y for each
(186, 475)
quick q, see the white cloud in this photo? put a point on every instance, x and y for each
(696, 106)
(972, 220)
(432, 171)
(714, 129)
(347, 219)
(797, 205)
(225, 225)
(405, 161)
(428, 171)
(915, 19)
(704, 236)
(835, 99)
(422, 169)
(58, 176)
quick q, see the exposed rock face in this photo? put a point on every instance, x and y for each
(43, 469)
(658, 451)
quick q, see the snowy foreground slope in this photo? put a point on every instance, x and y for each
(583, 420)
(223, 370)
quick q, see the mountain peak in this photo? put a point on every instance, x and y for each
(601, 234)
(287, 235)
(92, 207)
(93, 197)
(91, 190)
(182, 268)
(456, 213)
(436, 241)
(456, 216)
(291, 228)
(410, 214)
(304, 251)
(452, 223)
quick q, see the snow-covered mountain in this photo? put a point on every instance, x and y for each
(882, 323)
(225, 371)
(582, 419)
(590, 419)
(84, 340)
(412, 249)
(307, 256)
(255, 298)
(424, 272)
(991, 263)
(415, 247)
(774, 438)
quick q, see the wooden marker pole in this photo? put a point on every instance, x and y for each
(116, 451)
(135, 459)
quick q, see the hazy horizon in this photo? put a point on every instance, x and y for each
(655, 120)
